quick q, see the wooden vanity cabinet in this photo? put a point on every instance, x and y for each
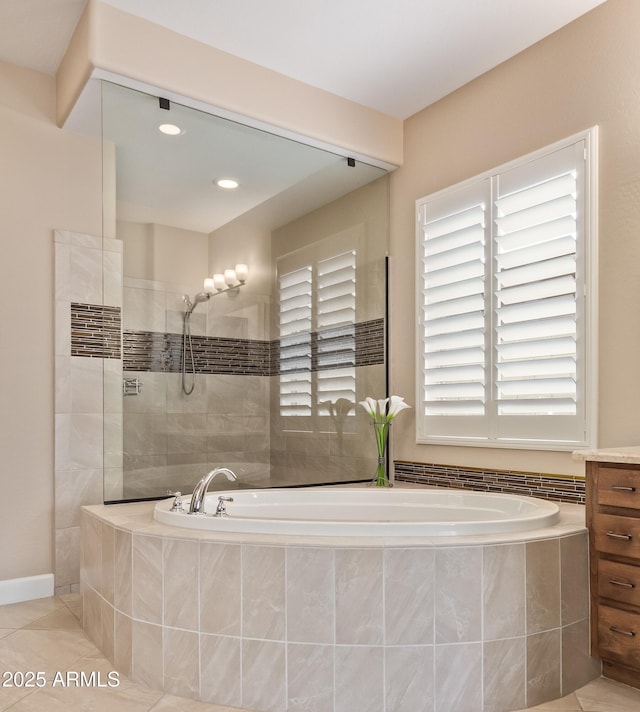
(613, 519)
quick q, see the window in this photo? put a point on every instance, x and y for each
(317, 336)
(506, 304)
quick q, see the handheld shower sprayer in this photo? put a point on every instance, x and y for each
(228, 283)
(191, 305)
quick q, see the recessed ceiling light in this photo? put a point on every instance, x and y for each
(227, 183)
(170, 129)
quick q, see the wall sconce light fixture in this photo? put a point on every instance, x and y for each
(228, 281)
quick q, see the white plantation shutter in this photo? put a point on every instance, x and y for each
(336, 317)
(536, 345)
(453, 312)
(502, 307)
(295, 291)
(317, 336)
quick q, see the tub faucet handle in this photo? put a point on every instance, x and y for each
(221, 509)
(177, 502)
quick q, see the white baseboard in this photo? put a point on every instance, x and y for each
(26, 589)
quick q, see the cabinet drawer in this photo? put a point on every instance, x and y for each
(617, 535)
(618, 487)
(619, 582)
(619, 636)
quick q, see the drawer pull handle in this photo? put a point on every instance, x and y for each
(613, 535)
(624, 584)
(615, 629)
(621, 488)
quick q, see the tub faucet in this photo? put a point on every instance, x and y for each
(200, 491)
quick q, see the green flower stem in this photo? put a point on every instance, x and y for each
(381, 430)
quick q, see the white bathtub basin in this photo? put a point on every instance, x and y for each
(322, 511)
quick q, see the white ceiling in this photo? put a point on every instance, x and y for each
(397, 56)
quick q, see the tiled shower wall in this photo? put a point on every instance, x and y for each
(88, 374)
(231, 417)
(173, 438)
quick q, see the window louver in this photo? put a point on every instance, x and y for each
(453, 305)
(336, 318)
(317, 337)
(536, 347)
(295, 342)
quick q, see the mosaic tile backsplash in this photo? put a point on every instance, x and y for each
(554, 487)
(95, 331)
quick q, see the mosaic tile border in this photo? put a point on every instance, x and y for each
(561, 488)
(158, 352)
(95, 331)
(361, 344)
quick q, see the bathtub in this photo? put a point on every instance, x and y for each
(321, 511)
(274, 620)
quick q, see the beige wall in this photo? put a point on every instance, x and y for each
(49, 179)
(587, 73)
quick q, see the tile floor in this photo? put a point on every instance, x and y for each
(45, 636)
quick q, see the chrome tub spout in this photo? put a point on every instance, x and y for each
(200, 491)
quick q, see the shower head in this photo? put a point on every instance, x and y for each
(199, 297)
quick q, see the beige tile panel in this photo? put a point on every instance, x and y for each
(543, 667)
(220, 662)
(264, 675)
(181, 663)
(543, 585)
(408, 595)
(458, 677)
(310, 595)
(220, 599)
(503, 591)
(147, 578)
(409, 679)
(359, 680)
(458, 577)
(181, 584)
(310, 671)
(263, 592)
(359, 596)
(504, 675)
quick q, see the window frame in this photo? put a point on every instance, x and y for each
(586, 298)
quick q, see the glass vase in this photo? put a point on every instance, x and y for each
(381, 431)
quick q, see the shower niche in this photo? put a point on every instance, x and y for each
(253, 318)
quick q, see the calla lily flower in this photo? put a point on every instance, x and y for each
(385, 409)
(396, 405)
(370, 405)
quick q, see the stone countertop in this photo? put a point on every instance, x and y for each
(628, 455)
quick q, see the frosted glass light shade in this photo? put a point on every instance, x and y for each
(242, 272)
(219, 281)
(230, 277)
(209, 286)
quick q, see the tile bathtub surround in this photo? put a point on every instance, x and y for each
(326, 624)
(555, 487)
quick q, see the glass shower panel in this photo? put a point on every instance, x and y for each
(179, 228)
